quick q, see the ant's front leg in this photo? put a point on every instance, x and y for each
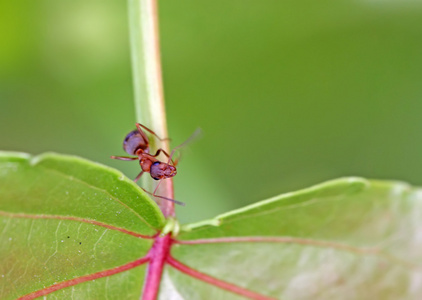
(165, 198)
(139, 176)
(124, 157)
(162, 197)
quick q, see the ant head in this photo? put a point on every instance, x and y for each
(135, 141)
(160, 170)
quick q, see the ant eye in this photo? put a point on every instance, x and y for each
(156, 163)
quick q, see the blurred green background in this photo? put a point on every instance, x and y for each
(287, 93)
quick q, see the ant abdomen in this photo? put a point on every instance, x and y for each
(135, 141)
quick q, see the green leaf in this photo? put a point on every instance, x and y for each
(66, 217)
(63, 218)
(345, 239)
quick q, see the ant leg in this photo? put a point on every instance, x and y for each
(171, 200)
(124, 157)
(165, 198)
(156, 188)
(161, 150)
(164, 152)
(138, 125)
(139, 176)
(162, 197)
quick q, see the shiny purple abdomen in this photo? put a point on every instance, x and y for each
(134, 141)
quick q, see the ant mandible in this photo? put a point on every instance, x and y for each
(137, 143)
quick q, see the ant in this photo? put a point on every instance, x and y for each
(137, 143)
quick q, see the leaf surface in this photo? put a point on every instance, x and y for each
(345, 239)
(62, 217)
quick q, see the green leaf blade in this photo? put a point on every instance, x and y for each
(63, 217)
(346, 239)
(53, 184)
(35, 254)
(267, 214)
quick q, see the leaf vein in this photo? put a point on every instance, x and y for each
(76, 219)
(57, 243)
(375, 251)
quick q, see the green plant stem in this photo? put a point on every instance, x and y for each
(148, 86)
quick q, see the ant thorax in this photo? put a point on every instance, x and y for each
(135, 143)
(146, 162)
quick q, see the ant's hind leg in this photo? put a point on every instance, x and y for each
(140, 126)
(124, 157)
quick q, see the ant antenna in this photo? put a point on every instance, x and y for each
(194, 136)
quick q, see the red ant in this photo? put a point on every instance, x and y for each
(137, 143)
